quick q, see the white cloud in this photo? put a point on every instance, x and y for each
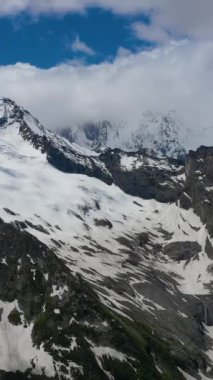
(63, 6)
(192, 18)
(177, 76)
(13, 6)
(180, 18)
(150, 32)
(78, 46)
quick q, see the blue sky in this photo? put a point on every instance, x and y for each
(47, 40)
(70, 61)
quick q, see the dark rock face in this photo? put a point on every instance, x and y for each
(3, 120)
(199, 185)
(61, 155)
(19, 376)
(29, 272)
(155, 178)
(204, 312)
(182, 250)
(103, 223)
(159, 180)
(68, 161)
(152, 298)
(39, 142)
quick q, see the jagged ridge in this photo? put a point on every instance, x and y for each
(160, 133)
(147, 259)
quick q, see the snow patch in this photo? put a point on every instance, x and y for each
(16, 347)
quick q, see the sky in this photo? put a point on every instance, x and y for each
(71, 61)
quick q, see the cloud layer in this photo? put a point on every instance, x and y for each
(178, 76)
(182, 18)
(64, 6)
(178, 19)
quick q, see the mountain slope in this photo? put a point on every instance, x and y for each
(146, 175)
(120, 280)
(163, 134)
(16, 122)
(53, 326)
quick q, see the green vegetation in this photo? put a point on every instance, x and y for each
(139, 341)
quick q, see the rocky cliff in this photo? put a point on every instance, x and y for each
(106, 272)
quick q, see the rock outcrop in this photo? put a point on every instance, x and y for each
(143, 174)
(198, 190)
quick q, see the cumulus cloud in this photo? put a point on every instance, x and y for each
(182, 18)
(63, 6)
(78, 46)
(176, 20)
(177, 76)
(150, 32)
(192, 18)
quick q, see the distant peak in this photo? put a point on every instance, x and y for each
(7, 101)
(158, 132)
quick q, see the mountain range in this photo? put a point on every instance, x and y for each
(106, 252)
(166, 134)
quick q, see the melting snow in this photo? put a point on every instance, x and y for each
(16, 347)
(129, 163)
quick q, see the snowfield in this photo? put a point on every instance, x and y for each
(101, 233)
(67, 207)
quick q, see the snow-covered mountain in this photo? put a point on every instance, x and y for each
(162, 133)
(15, 121)
(105, 259)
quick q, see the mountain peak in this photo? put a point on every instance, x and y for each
(161, 133)
(87, 269)
(19, 127)
(15, 116)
